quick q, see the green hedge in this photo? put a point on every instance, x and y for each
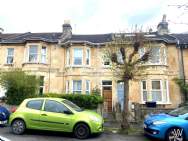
(82, 100)
(18, 85)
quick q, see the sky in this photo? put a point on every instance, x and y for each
(91, 16)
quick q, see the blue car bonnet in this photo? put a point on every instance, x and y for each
(154, 117)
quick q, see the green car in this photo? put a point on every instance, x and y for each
(55, 114)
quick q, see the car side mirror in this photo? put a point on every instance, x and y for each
(68, 112)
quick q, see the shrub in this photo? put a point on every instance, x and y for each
(82, 100)
(18, 86)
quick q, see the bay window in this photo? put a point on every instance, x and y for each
(155, 56)
(33, 53)
(87, 86)
(77, 86)
(43, 55)
(144, 90)
(155, 90)
(78, 56)
(87, 56)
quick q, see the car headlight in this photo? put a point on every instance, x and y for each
(94, 118)
(159, 122)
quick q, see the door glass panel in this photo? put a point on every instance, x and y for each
(53, 106)
(35, 104)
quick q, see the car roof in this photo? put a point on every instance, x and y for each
(44, 98)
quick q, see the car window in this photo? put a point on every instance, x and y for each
(34, 104)
(179, 111)
(54, 106)
(72, 105)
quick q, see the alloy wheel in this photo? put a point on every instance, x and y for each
(81, 131)
(18, 127)
(175, 134)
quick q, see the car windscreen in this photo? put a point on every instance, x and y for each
(179, 111)
(72, 105)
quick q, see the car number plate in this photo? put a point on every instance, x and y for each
(3, 122)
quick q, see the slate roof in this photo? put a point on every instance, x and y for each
(183, 39)
(54, 37)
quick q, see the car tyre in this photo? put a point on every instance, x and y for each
(81, 131)
(175, 134)
(18, 127)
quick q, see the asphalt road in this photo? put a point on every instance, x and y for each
(54, 136)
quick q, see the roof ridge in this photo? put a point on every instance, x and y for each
(16, 36)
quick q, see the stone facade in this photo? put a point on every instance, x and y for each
(77, 65)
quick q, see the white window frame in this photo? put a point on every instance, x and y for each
(165, 56)
(87, 91)
(44, 55)
(10, 56)
(142, 91)
(88, 56)
(162, 90)
(74, 57)
(158, 55)
(156, 90)
(35, 61)
(73, 91)
(67, 56)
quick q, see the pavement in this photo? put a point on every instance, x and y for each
(31, 135)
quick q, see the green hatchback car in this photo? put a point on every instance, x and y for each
(55, 114)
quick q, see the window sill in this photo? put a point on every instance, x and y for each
(158, 103)
(106, 67)
(9, 64)
(78, 66)
(34, 63)
(162, 65)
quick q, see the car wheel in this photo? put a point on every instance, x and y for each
(18, 127)
(175, 134)
(81, 131)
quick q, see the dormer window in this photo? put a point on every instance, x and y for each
(33, 53)
(78, 56)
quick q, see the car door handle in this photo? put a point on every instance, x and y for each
(43, 114)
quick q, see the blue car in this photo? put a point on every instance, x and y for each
(4, 116)
(172, 126)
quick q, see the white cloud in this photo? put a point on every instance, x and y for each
(89, 16)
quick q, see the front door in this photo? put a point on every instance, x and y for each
(120, 94)
(107, 95)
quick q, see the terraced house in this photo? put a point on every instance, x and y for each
(69, 63)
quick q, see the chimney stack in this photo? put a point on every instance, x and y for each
(67, 30)
(1, 30)
(162, 27)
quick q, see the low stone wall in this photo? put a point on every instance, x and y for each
(140, 111)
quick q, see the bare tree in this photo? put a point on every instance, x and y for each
(127, 62)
